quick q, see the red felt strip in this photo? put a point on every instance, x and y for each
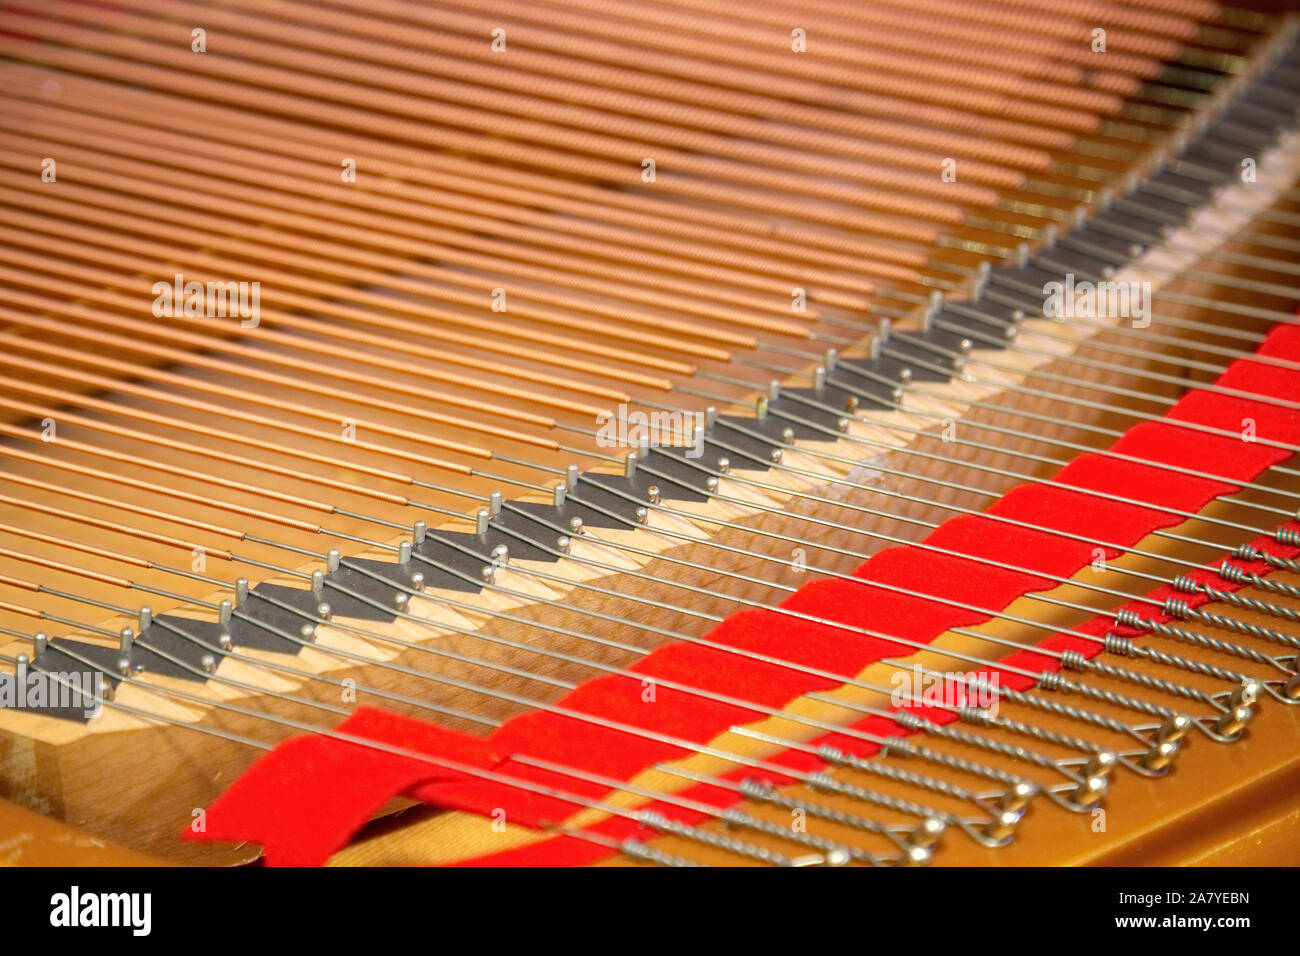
(292, 774)
(305, 798)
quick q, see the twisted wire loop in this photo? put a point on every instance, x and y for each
(1157, 683)
(821, 780)
(1115, 698)
(639, 850)
(920, 841)
(1289, 536)
(657, 821)
(984, 743)
(1181, 609)
(1048, 735)
(835, 853)
(762, 791)
(1131, 619)
(1247, 552)
(1230, 572)
(1060, 709)
(1220, 596)
(897, 745)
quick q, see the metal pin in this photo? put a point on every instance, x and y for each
(883, 328)
(931, 309)
(126, 642)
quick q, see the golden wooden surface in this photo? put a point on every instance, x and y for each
(33, 839)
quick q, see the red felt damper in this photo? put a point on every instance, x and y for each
(303, 799)
(856, 620)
